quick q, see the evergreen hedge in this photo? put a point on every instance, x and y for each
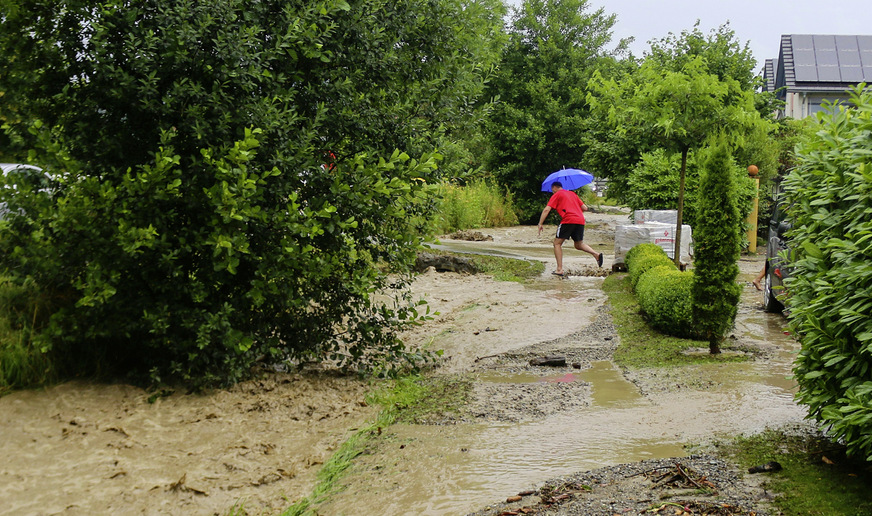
(646, 261)
(716, 248)
(829, 196)
(664, 294)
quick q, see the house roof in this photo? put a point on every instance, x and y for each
(769, 69)
(819, 62)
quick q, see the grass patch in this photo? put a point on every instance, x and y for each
(478, 204)
(410, 399)
(22, 362)
(643, 346)
(508, 269)
(808, 484)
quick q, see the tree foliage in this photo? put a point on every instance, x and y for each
(536, 126)
(830, 289)
(716, 243)
(644, 109)
(653, 184)
(233, 179)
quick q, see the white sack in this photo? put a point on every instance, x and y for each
(664, 216)
(663, 235)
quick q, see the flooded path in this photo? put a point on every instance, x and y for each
(459, 468)
(81, 448)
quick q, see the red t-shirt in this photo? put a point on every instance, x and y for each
(568, 206)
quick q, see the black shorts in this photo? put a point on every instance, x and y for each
(573, 231)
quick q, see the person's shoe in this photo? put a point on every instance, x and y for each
(599, 260)
(561, 274)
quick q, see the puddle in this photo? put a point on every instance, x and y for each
(609, 387)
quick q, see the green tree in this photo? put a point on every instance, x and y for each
(716, 248)
(233, 179)
(725, 56)
(536, 126)
(829, 293)
(679, 109)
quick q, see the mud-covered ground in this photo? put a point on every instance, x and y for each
(83, 448)
(534, 429)
(86, 449)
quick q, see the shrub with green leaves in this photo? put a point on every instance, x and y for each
(716, 248)
(234, 181)
(829, 196)
(642, 250)
(664, 293)
(642, 263)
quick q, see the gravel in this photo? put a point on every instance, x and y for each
(633, 489)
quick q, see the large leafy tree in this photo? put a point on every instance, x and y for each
(553, 48)
(614, 154)
(677, 109)
(232, 177)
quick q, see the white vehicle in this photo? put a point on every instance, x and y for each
(24, 173)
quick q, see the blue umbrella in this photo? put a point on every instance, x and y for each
(570, 178)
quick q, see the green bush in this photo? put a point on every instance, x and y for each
(644, 263)
(478, 204)
(716, 243)
(653, 185)
(830, 290)
(642, 250)
(233, 179)
(664, 294)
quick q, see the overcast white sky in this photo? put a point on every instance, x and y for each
(760, 22)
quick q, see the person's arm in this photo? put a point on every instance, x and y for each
(545, 213)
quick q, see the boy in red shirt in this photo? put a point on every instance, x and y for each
(571, 210)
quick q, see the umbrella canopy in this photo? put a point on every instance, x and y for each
(570, 178)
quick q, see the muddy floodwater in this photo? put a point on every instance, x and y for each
(83, 448)
(622, 417)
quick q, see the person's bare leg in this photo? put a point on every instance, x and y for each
(558, 253)
(581, 246)
(759, 277)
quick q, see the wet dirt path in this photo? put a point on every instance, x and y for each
(527, 424)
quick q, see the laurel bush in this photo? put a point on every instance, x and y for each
(829, 300)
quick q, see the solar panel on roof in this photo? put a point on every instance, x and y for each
(865, 45)
(802, 41)
(852, 73)
(804, 63)
(829, 73)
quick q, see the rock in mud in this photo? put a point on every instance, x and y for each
(550, 361)
(444, 263)
(770, 466)
(472, 236)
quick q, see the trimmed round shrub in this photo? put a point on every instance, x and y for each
(640, 251)
(665, 295)
(643, 264)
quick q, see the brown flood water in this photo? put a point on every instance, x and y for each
(461, 468)
(87, 449)
(83, 449)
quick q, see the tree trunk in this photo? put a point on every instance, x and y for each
(715, 346)
(676, 256)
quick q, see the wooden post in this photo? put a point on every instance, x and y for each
(752, 217)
